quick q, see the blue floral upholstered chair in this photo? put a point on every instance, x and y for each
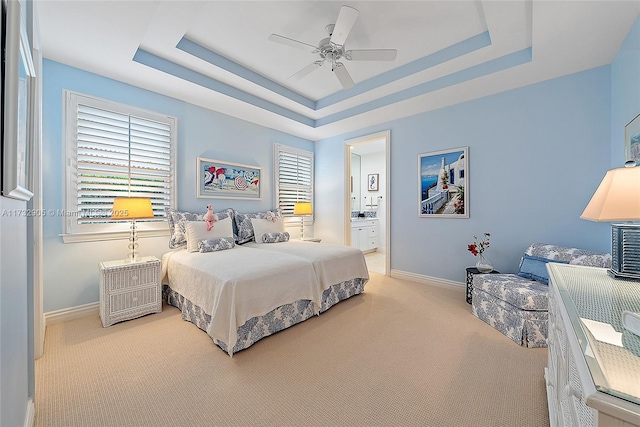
(517, 304)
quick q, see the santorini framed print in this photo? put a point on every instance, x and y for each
(632, 140)
(225, 180)
(443, 183)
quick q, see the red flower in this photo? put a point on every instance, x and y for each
(473, 249)
(478, 247)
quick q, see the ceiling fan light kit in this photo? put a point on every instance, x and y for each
(332, 49)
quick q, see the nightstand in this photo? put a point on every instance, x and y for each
(129, 289)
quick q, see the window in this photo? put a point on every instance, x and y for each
(115, 150)
(293, 176)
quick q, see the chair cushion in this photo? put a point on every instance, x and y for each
(573, 256)
(521, 293)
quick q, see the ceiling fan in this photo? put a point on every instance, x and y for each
(332, 49)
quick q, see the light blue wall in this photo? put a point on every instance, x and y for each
(625, 92)
(536, 155)
(71, 270)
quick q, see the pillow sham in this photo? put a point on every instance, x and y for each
(275, 237)
(244, 229)
(265, 226)
(176, 220)
(217, 244)
(196, 231)
(535, 268)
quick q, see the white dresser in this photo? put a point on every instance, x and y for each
(593, 370)
(364, 234)
(129, 289)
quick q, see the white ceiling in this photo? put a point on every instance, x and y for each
(448, 52)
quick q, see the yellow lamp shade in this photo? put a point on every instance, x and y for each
(131, 208)
(302, 208)
(617, 198)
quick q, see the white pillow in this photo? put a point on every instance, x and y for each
(262, 226)
(197, 231)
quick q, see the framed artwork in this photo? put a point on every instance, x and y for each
(372, 181)
(443, 183)
(632, 140)
(225, 180)
(17, 93)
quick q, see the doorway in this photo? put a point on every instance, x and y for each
(367, 199)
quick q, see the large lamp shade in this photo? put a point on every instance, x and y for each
(131, 208)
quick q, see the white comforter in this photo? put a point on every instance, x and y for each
(332, 264)
(234, 285)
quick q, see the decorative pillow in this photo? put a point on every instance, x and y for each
(177, 230)
(535, 268)
(217, 244)
(243, 223)
(196, 231)
(265, 226)
(275, 237)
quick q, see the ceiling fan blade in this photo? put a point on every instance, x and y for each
(293, 43)
(343, 75)
(344, 23)
(306, 70)
(371, 54)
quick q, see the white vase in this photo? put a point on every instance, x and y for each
(483, 265)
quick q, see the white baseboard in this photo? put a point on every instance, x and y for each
(428, 280)
(66, 314)
(30, 416)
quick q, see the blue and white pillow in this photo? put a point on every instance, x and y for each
(535, 268)
(217, 244)
(275, 237)
(244, 228)
(177, 226)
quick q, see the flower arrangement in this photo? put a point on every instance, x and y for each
(478, 247)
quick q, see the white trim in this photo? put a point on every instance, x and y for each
(428, 280)
(30, 416)
(66, 314)
(386, 136)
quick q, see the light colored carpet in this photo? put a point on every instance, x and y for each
(401, 354)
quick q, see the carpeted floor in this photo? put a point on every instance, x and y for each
(401, 354)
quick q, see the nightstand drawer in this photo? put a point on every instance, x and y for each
(139, 298)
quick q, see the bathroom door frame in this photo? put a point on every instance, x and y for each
(386, 136)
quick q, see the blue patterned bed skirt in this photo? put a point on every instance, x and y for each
(274, 321)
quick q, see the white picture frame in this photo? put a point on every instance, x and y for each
(443, 184)
(17, 118)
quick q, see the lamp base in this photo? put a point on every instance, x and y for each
(625, 251)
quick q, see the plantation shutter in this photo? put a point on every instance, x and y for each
(294, 178)
(121, 155)
(116, 151)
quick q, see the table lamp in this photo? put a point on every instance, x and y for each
(132, 208)
(302, 209)
(618, 199)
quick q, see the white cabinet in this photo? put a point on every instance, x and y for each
(593, 367)
(364, 234)
(129, 289)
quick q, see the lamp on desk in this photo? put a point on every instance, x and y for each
(302, 209)
(132, 208)
(618, 199)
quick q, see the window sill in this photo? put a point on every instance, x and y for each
(112, 235)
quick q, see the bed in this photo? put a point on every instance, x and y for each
(252, 290)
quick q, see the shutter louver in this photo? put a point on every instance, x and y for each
(295, 179)
(120, 155)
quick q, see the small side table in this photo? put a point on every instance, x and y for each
(470, 272)
(129, 289)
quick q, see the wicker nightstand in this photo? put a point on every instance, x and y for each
(129, 289)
